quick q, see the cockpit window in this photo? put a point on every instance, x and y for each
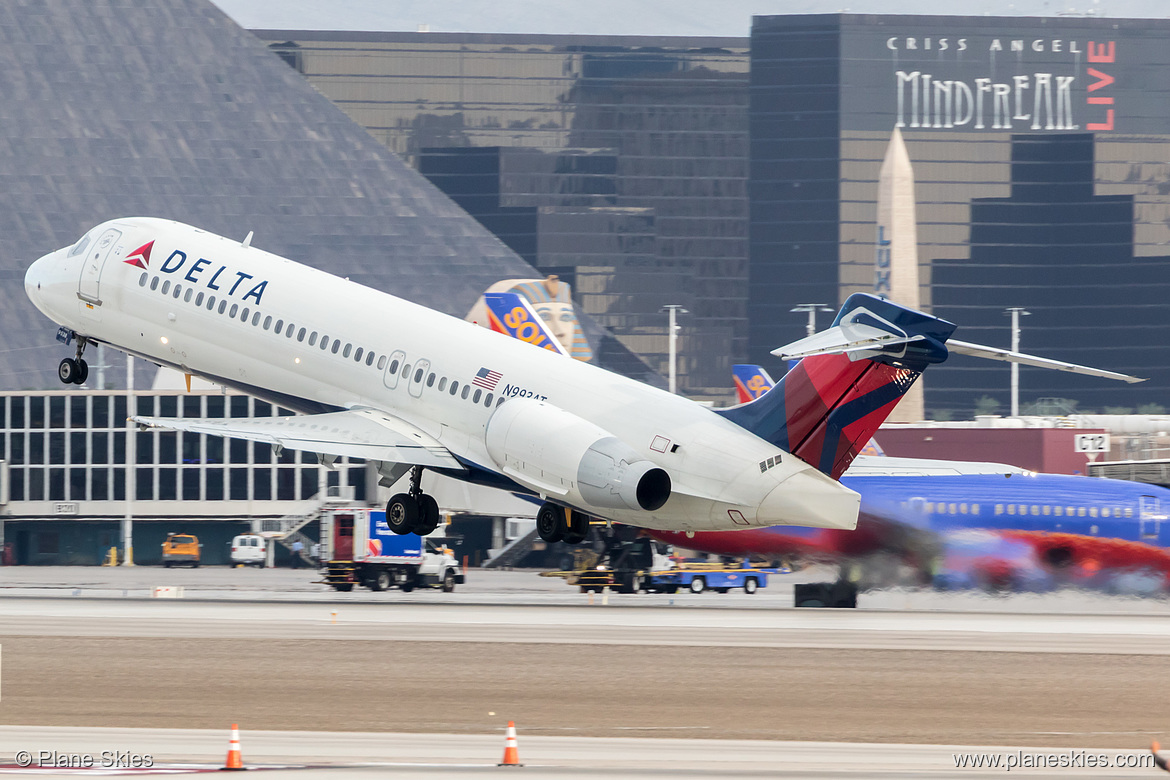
(80, 246)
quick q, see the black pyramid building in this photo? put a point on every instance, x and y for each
(138, 108)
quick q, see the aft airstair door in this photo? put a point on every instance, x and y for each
(1151, 517)
(95, 259)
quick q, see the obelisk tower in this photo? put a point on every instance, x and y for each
(896, 251)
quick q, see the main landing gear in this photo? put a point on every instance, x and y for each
(74, 370)
(413, 512)
(556, 524)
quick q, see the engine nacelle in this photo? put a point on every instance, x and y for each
(564, 456)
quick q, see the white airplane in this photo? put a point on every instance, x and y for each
(380, 378)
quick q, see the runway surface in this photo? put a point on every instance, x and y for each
(312, 755)
(486, 586)
(626, 623)
(639, 686)
(605, 671)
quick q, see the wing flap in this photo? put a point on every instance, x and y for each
(358, 433)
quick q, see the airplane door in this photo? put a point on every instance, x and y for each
(418, 377)
(1151, 517)
(95, 259)
(394, 368)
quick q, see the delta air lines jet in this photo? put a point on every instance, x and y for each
(383, 379)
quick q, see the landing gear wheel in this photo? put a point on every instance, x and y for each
(82, 372)
(577, 529)
(448, 581)
(550, 523)
(382, 581)
(750, 585)
(402, 514)
(68, 371)
(428, 515)
(698, 585)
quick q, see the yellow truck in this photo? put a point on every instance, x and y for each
(181, 549)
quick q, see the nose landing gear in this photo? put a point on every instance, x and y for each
(413, 512)
(74, 370)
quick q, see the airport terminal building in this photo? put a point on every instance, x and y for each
(72, 471)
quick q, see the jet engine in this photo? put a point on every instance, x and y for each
(564, 456)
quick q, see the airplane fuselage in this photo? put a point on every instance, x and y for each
(1020, 504)
(509, 414)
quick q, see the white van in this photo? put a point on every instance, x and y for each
(248, 550)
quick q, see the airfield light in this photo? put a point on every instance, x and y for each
(812, 309)
(1015, 313)
(674, 309)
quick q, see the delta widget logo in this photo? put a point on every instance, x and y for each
(140, 257)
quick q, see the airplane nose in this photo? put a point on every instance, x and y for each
(34, 277)
(809, 498)
(40, 276)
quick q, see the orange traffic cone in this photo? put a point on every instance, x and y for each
(234, 760)
(1159, 762)
(511, 752)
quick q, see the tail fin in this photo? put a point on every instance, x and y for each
(826, 408)
(751, 381)
(511, 314)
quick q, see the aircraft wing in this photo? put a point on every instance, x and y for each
(358, 433)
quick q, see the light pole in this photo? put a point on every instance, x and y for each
(674, 309)
(131, 467)
(812, 309)
(1016, 311)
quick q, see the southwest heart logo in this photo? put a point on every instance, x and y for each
(140, 257)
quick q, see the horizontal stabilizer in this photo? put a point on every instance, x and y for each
(1006, 355)
(359, 433)
(842, 341)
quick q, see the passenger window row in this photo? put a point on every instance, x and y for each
(313, 339)
(467, 392)
(1026, 509)
(234, 310)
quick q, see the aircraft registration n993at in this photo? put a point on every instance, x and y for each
(383, 379)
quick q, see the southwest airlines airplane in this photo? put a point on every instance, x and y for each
(380, 378)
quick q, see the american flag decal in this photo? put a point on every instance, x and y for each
(486, 378)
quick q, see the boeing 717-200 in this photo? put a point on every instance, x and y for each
(410, 388)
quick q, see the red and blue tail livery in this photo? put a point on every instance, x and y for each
(850, 378)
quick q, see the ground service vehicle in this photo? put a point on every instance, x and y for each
(180, 549)
(629, 566)
(362, 550)
(249, 550)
